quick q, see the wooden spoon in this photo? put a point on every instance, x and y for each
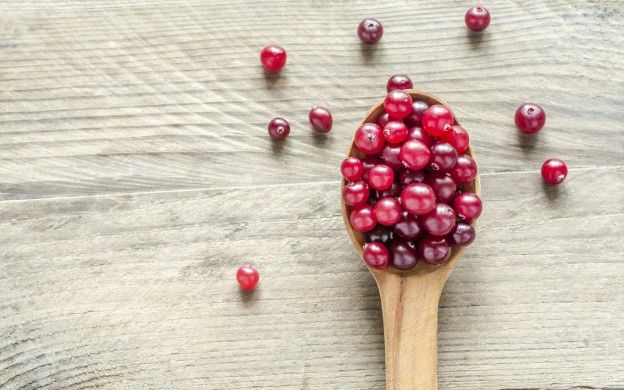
(409, 299)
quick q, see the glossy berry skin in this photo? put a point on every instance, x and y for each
(369, 162)
(398, 104)
(404, 255)
(408, 227)
(465, 170)
(554, 171)
(247, 276)
(352, 168)
(458, 137)
(530, 118)
(363, 219)
(399, 81)
(437, 120)
(370, 31)
(388, 211)
(477, 18)
(443, 157)
(273, 58)
(376, 255)
(418, 198)
(383, 120)
(434, 250)
(381, 177)
(391, 155)
(415, 155)
(321, 119)
(279, 129)
(417, 133)
(381, 234)
(395, 132)
(408, 176)
(369, 138)
(418, 109)
(440, 221)
(462, 235)
(443, 186)
(467, 206)
(355, 193)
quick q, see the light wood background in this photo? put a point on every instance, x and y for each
(136, 175)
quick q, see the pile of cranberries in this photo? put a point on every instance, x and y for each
(406, 189)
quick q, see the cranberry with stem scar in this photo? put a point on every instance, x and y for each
(398, 104)
(388, 211)
(356, 193)
(467, 206)
(465, 170)
(370, 31)
(477, 18)
(443, 157)
(278, 128)
(530, 118)
(376, 255)
(247, 276)
(395, 132)
(381, 177)
(554, 171)
(418, 198)
(352, 168)
(321, 119)
(399, 81)
(415, 154)
(369, 138)
(437, 120)
(440, 221)
(404, 255)
(273, 58)
(458, 137)
(434, 250)
(443, 186)
(462, 235)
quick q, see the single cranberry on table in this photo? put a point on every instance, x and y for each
(273, 58)
(437, 120)
(443, 186)
(381, 234)
(458, 137)
(398, 104)
(443, 157)
(388, 211)
(554, 171)
(408, 227)
(399, 81)
(321, 119)
(383, 120)
(407, 176)
(395, 132)
(352, 168)
(415, 154)
(247, 276)
(462, 235)
(477, 18)
(465, 170)
(467, 206)
(440, 221)
(370, 31)
(369, 138)
(434, 250)
(418, 198)
(355, 193)
(391, 155)
(404, 255)
(363, 219)
(279, 129)
(418, 109)
(417, 133)
(376, 255)
(530, 118)
(381, 177)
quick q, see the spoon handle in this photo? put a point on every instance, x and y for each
(410, 318)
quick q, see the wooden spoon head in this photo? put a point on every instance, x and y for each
(358, 238)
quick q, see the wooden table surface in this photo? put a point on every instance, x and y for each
(136, 175)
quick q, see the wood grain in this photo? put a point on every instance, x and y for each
(136, 175)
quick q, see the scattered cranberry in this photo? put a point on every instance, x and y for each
(440, 221)
(356, 193)
(321, 119)
(399, 81)
(395, 132)
(530, 118)
(369, 138)
(273, 58)
(418, 109)
(417, 133)
(381, 177)
(279, 128)
(477, 18)
(465, 170)
(458, 137)
(403, 255)
(554, 171)
(376, 255)
(415, 154)
(352, 168)
(437, 120)
(444, 188)
(462, 235)
(443, 157)
(391, 155)
(418, 198)
(388, 211)
(380, 234)
(247, 276)
(363, 219)
(394, 191)
(370, 31)
(408, 176)
(398, 104)
(383, 120)
(408, 227)
(434, 250)
(467, 206)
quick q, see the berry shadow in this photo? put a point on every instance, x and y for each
(271, 78)
(248, 298)
(320, 139)
(277, 147)
(526, 142)
(475, 38)
(368, 51)
(552, 192)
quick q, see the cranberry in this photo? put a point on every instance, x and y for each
(477, 18)
(368, 163)
(394, 190)
(403, 255)
(418, 134)
(465, 170)
(383, 120)
(437, 120)
(415, 154)
(321, 119)
(408, 227)
(279, 128)
(395, 132)
(399, 81)
(363, 219)
(415, 118)
(398, 104)
(273, 58)
(554, 171)
(443, 186)
(467, 206)
(247, 276)
(408, 176)
(462, 235)
(356, 193)
(370, 31)
(458, 137)
(388, 211)
(391, 156)
(369, 138)
(434, 250)
(381, 177)
(352, 168)
(530, 118)
(443, 157)
(380, 234)
(418, 198)
(440, 221)
(376, 255)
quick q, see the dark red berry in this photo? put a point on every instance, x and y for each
(273, 58)
(321, 119)
(395, 132)
(554, 171)
(418, 109)
(394, 191)
(369, 138)
(418, 198)
(380, 234)
(279, 128)
(362, 218)
(381, 177)
(403, 254)
(415, 154)
(376, 255)
(352, 168)
(465, 170)
(458, 137)
(398, 104)
(383, 120)
(477, 18)
(408, 176)
(437, 120)
(399, 81)
(417, 133)
(408, 227)
(467, 206)
(530, 118)
(247, 276)
(443, 186)
(388, 211)
(434, 250)
(440, 221)
(443, 157)
(391, 155)
(462, 235)
(370, 31)
(355, 193)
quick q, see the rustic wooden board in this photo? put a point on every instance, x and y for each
(136, 175)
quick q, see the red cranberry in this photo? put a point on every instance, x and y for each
(418, 109)
(467, 206)
(363, 219)
(247, 276)
(398, 104)
(434, 250)
(440, 221)
(443, 186)
(380, 234)
(437, 120)
(418, 134)
(530, 118)
(370, 31)
(399, 81)
(394, 191)
(369, 162)
(462, 235)
(321, 119)
(408, 227)
(376, 255)
(356, 193)
(381, 177)
(418, 198)
(443, 157)
(369, 138)
(388, 211)
(458, 137)
(273, 58)
(383, 120)
(391, 156)
(415, 154)
(352, 168)
(403, 255)
(554, 171)
(395, 132)
(477, 18)
(465, 170)
(279, 128)
(408, 176)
